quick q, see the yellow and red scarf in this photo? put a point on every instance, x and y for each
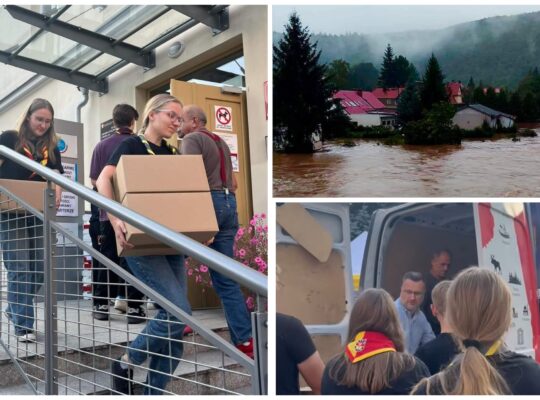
(367, 344)
(43, 161)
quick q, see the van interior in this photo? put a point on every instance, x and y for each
(411, 237)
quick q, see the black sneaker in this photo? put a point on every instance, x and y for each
(121, 378)
(136, 315)
(101, 312)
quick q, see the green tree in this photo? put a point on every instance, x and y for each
(468, 92)
(491, 98)
(404, 71)
(529, 111)
(387, 76)
(338, 74)
(363, 76)
(302, 95)
(514, 104)
(409, 106)
(435, 128)
(433, 89)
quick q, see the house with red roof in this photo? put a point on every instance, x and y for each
(365, 109)
(388, 97)
(453, 89)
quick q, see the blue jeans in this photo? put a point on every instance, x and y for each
(21, 239)
(236, 312)
(166, 275)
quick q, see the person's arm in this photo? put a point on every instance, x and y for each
(104, 186)
(312, 370)
(58, 194)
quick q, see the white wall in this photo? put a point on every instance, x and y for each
(469, 119)
(366, 119)
(248, 29)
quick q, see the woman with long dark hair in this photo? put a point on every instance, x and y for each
(373, 361)
(22, 234)
(478, 308)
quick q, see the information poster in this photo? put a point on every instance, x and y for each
(69, 205)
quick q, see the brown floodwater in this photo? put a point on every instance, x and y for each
(493, 168)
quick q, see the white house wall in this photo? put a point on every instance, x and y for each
(469, 119)
(248, 30)
(366, 119)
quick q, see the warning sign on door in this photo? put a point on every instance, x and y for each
(223, 118)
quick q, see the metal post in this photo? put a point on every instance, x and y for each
(259, 322)
(50, 308)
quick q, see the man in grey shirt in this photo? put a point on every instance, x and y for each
(413, 321)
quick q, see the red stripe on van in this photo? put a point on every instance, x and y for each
(529, 275)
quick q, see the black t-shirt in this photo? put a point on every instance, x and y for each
(11, 170)
(431, 281)
(294, 346)
(438, 353)
(403, 384)
(521, 373)
(134, 146)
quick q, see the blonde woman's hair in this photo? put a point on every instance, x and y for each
(478, 308)
(25, 134)
(374, 310)
(438, 296)
(155, 104)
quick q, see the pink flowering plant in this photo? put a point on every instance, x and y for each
(250, 248)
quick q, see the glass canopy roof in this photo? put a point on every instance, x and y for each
(84, 44)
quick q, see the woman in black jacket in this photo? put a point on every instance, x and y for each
(22, 234)
(374, 361)
(478, 307)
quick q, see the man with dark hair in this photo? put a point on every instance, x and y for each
(413, 321)
(218, 166)
(440, 262)
(438, 353)
(106, 284)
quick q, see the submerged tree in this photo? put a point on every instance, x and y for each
(302, 94)
(433, 88)
(409, 106)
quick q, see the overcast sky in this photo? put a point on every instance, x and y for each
(339, 19)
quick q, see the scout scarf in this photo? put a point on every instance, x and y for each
(149, 149)
(367, 344)
(474, 343)
(43, 161)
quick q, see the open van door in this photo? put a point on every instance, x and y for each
(504, 245)
(314, 276)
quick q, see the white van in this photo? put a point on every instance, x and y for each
(403, 238)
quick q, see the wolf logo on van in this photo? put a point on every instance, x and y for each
(496, 265)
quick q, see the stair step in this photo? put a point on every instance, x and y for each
(100, 381)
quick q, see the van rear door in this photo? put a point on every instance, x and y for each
(504, 245)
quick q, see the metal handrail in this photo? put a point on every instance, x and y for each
(233, 269)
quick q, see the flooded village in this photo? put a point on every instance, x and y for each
(399, 131)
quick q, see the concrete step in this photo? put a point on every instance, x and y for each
(88, 345)
(213, 374)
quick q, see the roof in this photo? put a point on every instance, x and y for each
(453, 88)
(84, 44)
(358, 101)
(489, 111)
(391, 93)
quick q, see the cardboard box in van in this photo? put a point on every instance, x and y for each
(158, 174)
(30, 192)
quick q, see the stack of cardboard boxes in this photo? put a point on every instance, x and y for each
(171, 190)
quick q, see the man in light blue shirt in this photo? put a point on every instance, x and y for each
(413, 321)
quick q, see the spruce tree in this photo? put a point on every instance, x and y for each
(302, 95)
(433, 89)
(409, 107)
(387, 76)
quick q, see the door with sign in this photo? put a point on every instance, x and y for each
(227, 117)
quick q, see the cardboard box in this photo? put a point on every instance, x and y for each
(29, 191)
(144, 174)
(305, 229)
(189, 213)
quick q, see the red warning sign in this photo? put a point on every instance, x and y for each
(223, 118)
